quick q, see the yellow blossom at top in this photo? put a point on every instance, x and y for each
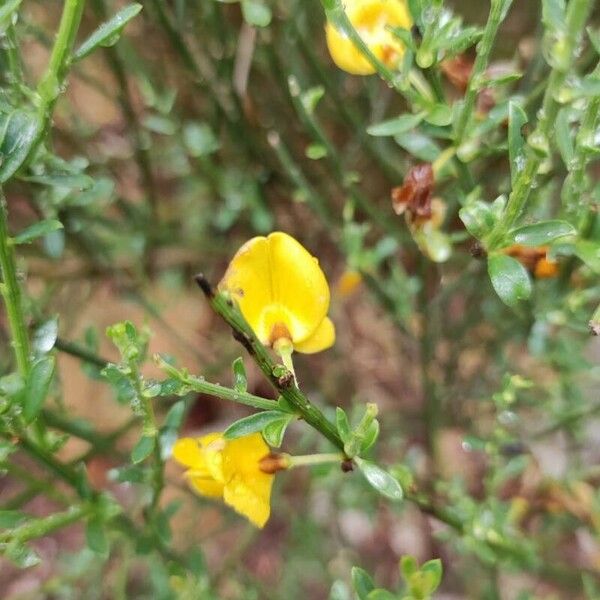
(371, 19)
(229, 469)
(282, 293)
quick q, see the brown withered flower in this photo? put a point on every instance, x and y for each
(458, 71)
(535, 260)
(414, 195)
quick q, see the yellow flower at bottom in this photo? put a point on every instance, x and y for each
(282, 292)
(229, 469)
(370, 18)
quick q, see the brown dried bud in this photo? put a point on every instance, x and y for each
(414, 195)
(458, 71)
(274, 462)
(347, 466)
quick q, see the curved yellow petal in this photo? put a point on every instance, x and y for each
(248, 280)
(299, 285)
(279, 286)
(250, 496)
(242, 455)
(321, 339)
(370, 19)
(212, 446)
(187, 451)
(204, 486)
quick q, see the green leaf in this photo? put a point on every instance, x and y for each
(380, 479)
(509, 278)
(251, 424)
(79, 181)
(45, 336)
(419, 145)
(371, 436)
(240, 380)
(362, 583)
(316, 151)
(19, 129)
(6, 13)
(408, 566)
(143, 449)
(435, 570)
(381, 594)
(542, 233)
(199, 139)
(478, 218)
(562, 134)
(517, 118)
(440, 115)
(108, 33)
(273, 432)
(256, 13)
(37, 230)
(342, 424)
(38, 384)
(11, 518)
(96, 537)
(175, 415)
(396, 126)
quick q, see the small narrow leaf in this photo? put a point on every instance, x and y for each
(19, 133)
(273, 433)
(380, 480)
(108, 33)
(37, 230)
(342, 424)
(38, 384)
(240, 380)
(7, 11)
(251, 424)
(96, 537)
(362, 583)
(509, 278)
(142, 449)
(45, 336)
(517, 118)
(542, 233)
(175, 415)
(396, 126)
(562, 134)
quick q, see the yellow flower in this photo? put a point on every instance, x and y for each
(229, 469)
(371, 19)
(282, 293)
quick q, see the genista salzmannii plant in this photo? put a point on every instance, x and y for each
(394, 208)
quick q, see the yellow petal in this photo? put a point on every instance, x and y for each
(247, 488)
(187, 451)
(370, 19)
(213, 445)
(250, 496)
(321, 339)
(205, 486)
(278, 286)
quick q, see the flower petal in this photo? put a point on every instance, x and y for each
(187, 451)
(299, 285)
(277, 282)
(250, 496)
(205, 486)
(370, 18)
(321, 339)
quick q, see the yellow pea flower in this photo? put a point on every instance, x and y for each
(230, 470)
(370, 18)
(282, 293)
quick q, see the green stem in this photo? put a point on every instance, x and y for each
(11, 291)
(498, 11)
(283, 382)
(50, 85)
(577, 14)
(308, 460)
(37, 528)
(79, 352)
(201, 386)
